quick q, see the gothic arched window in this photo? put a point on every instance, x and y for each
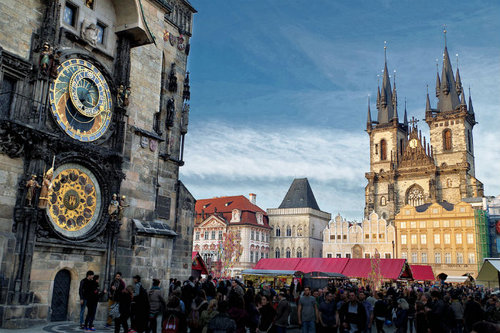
(299, 231)
(278, 232)
(277, 253)
(383, 201)
(299, 253)
(415, 196)
(288, 231)
(288, 253)
(447, 139)
(383, 150)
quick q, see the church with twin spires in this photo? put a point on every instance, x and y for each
(405, 167)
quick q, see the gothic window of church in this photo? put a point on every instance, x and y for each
(383, 201)
(447, 139)
(288, 231)
(299, 231)
(288, 253)
(278, 233)
(383, 150)
(277, 252)
(376, 149)
(299, 253)
(6, 95)
(69, 15)
(415, 196)
(469, 145)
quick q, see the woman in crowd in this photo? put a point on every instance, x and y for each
(267, 315)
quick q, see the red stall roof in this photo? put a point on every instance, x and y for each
(198, 264)
(327, 265)
(361, 268)
(422, 272)
(279, 264)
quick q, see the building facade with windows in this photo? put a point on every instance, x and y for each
(216, 217)
(298, 224)
(451, 238)
(94, 107)
(408, 169)
(345, 239)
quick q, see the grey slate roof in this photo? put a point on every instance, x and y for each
(153, 228)
(446, 205)
(300, 195)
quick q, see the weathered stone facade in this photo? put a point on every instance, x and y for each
(142, 45)
(404, 167)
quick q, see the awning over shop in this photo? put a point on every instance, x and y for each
(489, 272)
(422, 272)
(327, 265)
(389, 268)
(456, 279)
(287, 264)
(266, 272)
(198, 264)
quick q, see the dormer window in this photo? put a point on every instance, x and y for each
(236, 215)
(260, 218)
(205, 206)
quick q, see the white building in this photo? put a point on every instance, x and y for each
(345, 239)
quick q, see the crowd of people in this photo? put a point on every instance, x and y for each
(224, 306)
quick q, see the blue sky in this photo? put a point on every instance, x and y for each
(279, 90)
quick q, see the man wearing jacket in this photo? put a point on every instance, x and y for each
(282, 313)
(84, 286)
(353, 314)
(115, 289)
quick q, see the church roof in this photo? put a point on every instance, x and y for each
(300, 195)
(446, 205)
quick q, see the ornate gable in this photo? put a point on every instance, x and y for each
(416, 153)
(213, 221)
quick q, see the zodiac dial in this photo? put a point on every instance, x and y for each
(74, 200)
(80, 100)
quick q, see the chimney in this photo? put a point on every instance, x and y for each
(253, 198)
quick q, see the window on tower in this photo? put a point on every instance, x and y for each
(447, 139)
(383, 150)
(469, 144)
(415, 196)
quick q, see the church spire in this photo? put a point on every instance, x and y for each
(438, 80)
(395, 101)
(385, 109)
(471, 108)
(369, 117)
(428, 104)
(448, 94)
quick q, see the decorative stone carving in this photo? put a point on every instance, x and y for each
(185, 118)
(169, 122)
(44, 61)
(89, 32)
(186, 94)
(172, 79)
(46, 187)
(31, 186)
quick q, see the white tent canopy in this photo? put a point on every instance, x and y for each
(489, 273)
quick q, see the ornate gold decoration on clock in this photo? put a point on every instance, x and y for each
(80, 100)
(74, 201)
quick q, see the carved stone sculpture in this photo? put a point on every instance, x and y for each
(126, 95)
(44, 61)
(119, 96)
(172, 79)
(169, 122)
(46, 188)
(185, 118)
(89, 32)
(113, 208)
(54, 64)
(31, 185)
(121, 208)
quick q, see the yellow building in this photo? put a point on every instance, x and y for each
(442, 235)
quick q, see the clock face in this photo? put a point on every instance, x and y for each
(413, 143)
(74, 201)
(80, 100)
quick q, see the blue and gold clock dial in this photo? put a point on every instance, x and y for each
(80, 100)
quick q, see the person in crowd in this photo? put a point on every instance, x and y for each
(116, 287)
(328, 316)
(458, 313)
(84, 283)
(92, 295)
(199, 305)
(401, 321)
(353, 315)
(188, 292)
(421, 324)
(369, 311)
(473, 312)
(140, 307)
(307, 311)
(380, 312)
(222, 323)
(282, 313)
(237, 311)
(156, 305)
(267, 315)
(174, 318)
(485, 327)
(208, 314)
(124, 299)
(209, 288)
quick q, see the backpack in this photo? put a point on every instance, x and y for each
(171, 324)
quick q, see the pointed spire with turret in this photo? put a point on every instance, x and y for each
(369, 118)
(449, 98)
(428, 104)
(471, 108)
(386, 108)
(405, 121)
(395, 102)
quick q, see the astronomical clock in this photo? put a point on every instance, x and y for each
(81, 104)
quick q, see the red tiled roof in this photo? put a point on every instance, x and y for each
(422, 272)
(225, 205)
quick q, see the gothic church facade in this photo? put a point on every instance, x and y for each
(405, 168)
